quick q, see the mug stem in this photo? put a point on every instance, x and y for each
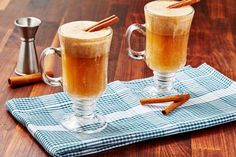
(84, 108)
(163, 85)
(164, 82)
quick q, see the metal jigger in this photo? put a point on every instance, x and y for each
(27, 61)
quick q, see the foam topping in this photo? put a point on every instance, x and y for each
(160, 8)
(76, 30)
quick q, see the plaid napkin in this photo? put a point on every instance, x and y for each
(212, 103)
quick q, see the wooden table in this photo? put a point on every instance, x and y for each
(212, 40)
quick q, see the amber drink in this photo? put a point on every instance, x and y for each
(84, 73)
(167, 32)
(84, 59)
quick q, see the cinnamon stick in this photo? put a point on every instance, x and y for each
(175, 98)
(174, 105)
(17, 81)
(103, 23)
(183, 3)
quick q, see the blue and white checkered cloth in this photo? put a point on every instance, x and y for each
(213, 102)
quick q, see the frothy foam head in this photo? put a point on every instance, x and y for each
(76, 42)
(76, 30)
(160, 8)
(165, 21)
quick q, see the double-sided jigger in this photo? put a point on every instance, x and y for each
(27, 61)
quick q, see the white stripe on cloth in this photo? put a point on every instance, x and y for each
(213, 95)
(137, 110)
(33, 128)
(45, 107)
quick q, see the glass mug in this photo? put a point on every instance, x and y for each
(166, 32)
(84, 73)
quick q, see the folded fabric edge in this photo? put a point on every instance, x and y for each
(18, 117)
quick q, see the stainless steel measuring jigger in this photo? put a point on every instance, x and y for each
(27, 61)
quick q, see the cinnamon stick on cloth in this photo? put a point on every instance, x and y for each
(175, 104)
(17, 81)
(175, 98)
(178, 100)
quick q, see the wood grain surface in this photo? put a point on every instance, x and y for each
(212, 40)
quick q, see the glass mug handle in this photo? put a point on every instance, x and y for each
(138, 55)
(57, 81)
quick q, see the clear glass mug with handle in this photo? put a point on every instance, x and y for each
(167, 32)
(84, 73)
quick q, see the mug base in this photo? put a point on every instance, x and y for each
(85, 124)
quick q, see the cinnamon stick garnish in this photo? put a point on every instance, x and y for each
(174, 105)
(175, 98)
(17, 81)
(103, 23)
(183, 3)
